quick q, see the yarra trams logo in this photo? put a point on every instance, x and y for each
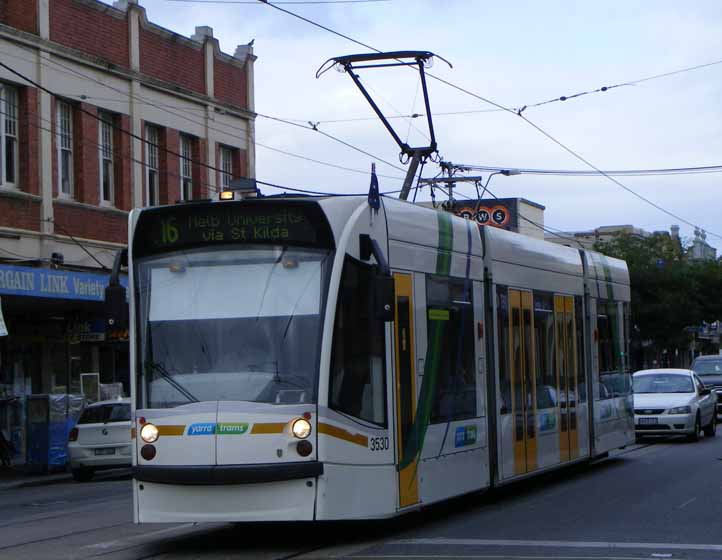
(221, 429)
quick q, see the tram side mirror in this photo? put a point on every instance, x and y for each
(116, 308)
(384, 294)
(116, 303)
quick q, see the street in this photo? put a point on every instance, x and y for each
(653, 500)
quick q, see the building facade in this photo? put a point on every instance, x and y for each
(101, 111)
(586, 239)
(700, 250)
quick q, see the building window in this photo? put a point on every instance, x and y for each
(65, 148)
(186, 167)
(8, 136)
(151, 165)
(226, 167)
(106, 157)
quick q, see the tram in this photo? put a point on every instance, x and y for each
(314, 358)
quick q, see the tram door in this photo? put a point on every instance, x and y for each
(405, 391)
(523, 380)
(567, 376)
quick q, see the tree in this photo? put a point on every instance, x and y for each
(669, 292)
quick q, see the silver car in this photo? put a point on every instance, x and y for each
(101, 439)
(672, 401)
(709, 370)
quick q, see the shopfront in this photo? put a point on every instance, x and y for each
(54, 320)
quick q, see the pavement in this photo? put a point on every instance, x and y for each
(654, 500)
(15, 478)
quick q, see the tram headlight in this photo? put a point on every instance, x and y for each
(149, 433)
(301, 428)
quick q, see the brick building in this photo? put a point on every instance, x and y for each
(138, 116)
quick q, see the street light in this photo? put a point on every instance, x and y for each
(505, 172)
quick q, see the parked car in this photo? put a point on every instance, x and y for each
(101, 439)
(672, 401)
(709, 370)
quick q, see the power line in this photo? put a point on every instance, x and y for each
(562, 98)
(72, 71)
(227, 126)
(623, 84)
(546, 229)
(99, 118)
(314, 127)
(584, 173)
(299, 3)
(612, 179)
(120, 155)
(519, 113)
(78, 243)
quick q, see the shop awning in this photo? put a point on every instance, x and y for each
(51, 283)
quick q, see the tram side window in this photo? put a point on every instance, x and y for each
(502, 306)
(613, 381)
(627, 310)
(544, 346)
(358, 379)
(581, 363)
(450, 328)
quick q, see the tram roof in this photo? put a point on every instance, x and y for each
(513, 248)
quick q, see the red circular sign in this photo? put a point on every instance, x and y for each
(466, 212)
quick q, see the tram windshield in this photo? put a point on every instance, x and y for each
(231, 324)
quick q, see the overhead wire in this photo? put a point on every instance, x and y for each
(73, 71)
(299, 3)
(209, 187)
(99, 118)
(518, 113)
(562, 98)
(585, 173)
(545, 228)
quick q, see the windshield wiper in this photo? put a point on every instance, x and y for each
(157, 366)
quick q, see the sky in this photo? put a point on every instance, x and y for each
(515, 53)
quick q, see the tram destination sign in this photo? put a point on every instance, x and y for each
(214, 223)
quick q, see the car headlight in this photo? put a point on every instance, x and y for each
(149, 433)
(301, 428)
(680, 410)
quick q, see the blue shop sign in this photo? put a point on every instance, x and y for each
(48, 283)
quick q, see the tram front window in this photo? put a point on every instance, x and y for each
(240, 324)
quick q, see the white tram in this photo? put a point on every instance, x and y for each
(282, 375)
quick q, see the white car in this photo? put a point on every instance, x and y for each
(672, 401)
(101, 439)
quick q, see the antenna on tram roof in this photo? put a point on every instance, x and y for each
(419, 59)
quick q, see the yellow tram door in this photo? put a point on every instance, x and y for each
(567, 376)
(523, 380)
(405, 391)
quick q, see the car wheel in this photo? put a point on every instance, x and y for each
(711, 429)
(694, 436)
(83, 475)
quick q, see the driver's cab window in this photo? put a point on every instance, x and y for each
(358, 378)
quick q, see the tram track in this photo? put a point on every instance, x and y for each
(63, 536)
